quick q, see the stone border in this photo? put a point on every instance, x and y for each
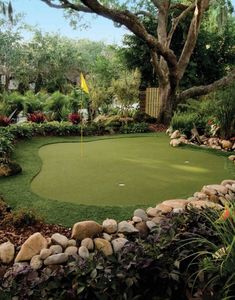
(110, 237)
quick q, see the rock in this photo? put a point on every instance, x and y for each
(231, 157)
(169, 131)
(142, 228)
(82, 230)
(157, 219)
(110, 226)
(32, 246)
(175, 203)
(45, 253)
(71, 242)
(151, 225)
(141, 214)
(178, 210)
(228, 197)
(227, 181)
(56, 259)
(56, 249)
(118, 244)
(226, 144)
(59, 239)
(36, 262)
(125, 227)
(216, 147)
(203, 204)
(218, 188)
(88, 243)
(192, 199)
(107, 237)
(200, 195)
(136, 219)
(175, 142)
(152, 212)
(83, 252)
(213, 141)
(71, 250)
(7, 252)
(213, 198)
(163, 209)
(208, 191)
(175, 135)
(103, 246)
(9, 168)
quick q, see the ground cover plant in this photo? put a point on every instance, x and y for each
(161, 266)
(18, 190)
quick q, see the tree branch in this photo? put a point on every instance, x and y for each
(66, 4)
(201, 6)
(177, 20)
(156, 65)
(205, 89)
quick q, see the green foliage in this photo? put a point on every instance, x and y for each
(6, 143)
(225, 110)
(134, 128)
(56, 105)
(24, 217)
(126, 89)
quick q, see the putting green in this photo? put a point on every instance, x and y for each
(125, 171)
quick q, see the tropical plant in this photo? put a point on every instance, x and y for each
(56, 104)
(125, 89)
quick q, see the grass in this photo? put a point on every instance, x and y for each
(71, 188)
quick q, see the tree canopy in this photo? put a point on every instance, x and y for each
(169, 66)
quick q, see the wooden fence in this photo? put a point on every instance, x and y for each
(152, 102)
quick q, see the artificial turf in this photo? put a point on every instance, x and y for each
(109, 176)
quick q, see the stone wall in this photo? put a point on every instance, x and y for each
(110, 236)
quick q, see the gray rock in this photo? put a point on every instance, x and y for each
(125, 227)
(83, 252)
(59, 239)
(88, 243)
(136, 219)
(45, 253)
(141, 214)
(151, 225)
(118, 244)
(36, 262)
(71, 250)
(107, 237)
(56, 249)
(72, 242)
(56, 259)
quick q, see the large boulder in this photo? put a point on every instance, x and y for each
(204, 204)
(163, 209)
(7, 252)
(82, 230)
(219, 188)
(32, 246)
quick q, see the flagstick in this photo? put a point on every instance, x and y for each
(81, 142)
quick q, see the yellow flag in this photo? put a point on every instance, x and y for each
(84, 86)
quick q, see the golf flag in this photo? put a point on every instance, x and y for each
(84, 86)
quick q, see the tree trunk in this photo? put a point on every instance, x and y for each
(167, 103)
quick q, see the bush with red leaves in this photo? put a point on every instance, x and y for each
(74, 118)
(4, 121)
(36, 117)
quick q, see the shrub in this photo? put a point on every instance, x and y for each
(135, 128)
(74, 118)
(36, 117)
(141, 116)
(4, 121)
(6, 144)
(25, 217)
